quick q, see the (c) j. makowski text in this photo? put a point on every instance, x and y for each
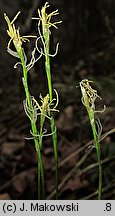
(36, 207)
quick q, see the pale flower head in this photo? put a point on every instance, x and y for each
(14, 33)
(46, 18)
(89, 94)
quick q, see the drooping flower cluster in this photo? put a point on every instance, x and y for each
(89, 94)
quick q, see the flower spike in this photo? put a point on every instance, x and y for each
(14, 33)
(89, 94)
(46, 18)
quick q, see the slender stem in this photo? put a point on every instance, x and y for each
(39, 186)
(99, 159)
(42, 174)
(52, 121)
(97, 145)
(42, 120)
(48, 72)
(54, 137)
(33, 126)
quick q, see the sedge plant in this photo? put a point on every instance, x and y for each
(19, 53)
(44, 110)
(44, 22)
(89, 95)
(32, 108)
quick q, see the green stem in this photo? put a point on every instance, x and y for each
(97, 145)
(54, 137)
(41, 168)
(48, 72)
(47, 64)
(33, 124)
(39, 175)
(52, 121)
(42, 120)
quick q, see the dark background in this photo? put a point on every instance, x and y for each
(87, 50)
